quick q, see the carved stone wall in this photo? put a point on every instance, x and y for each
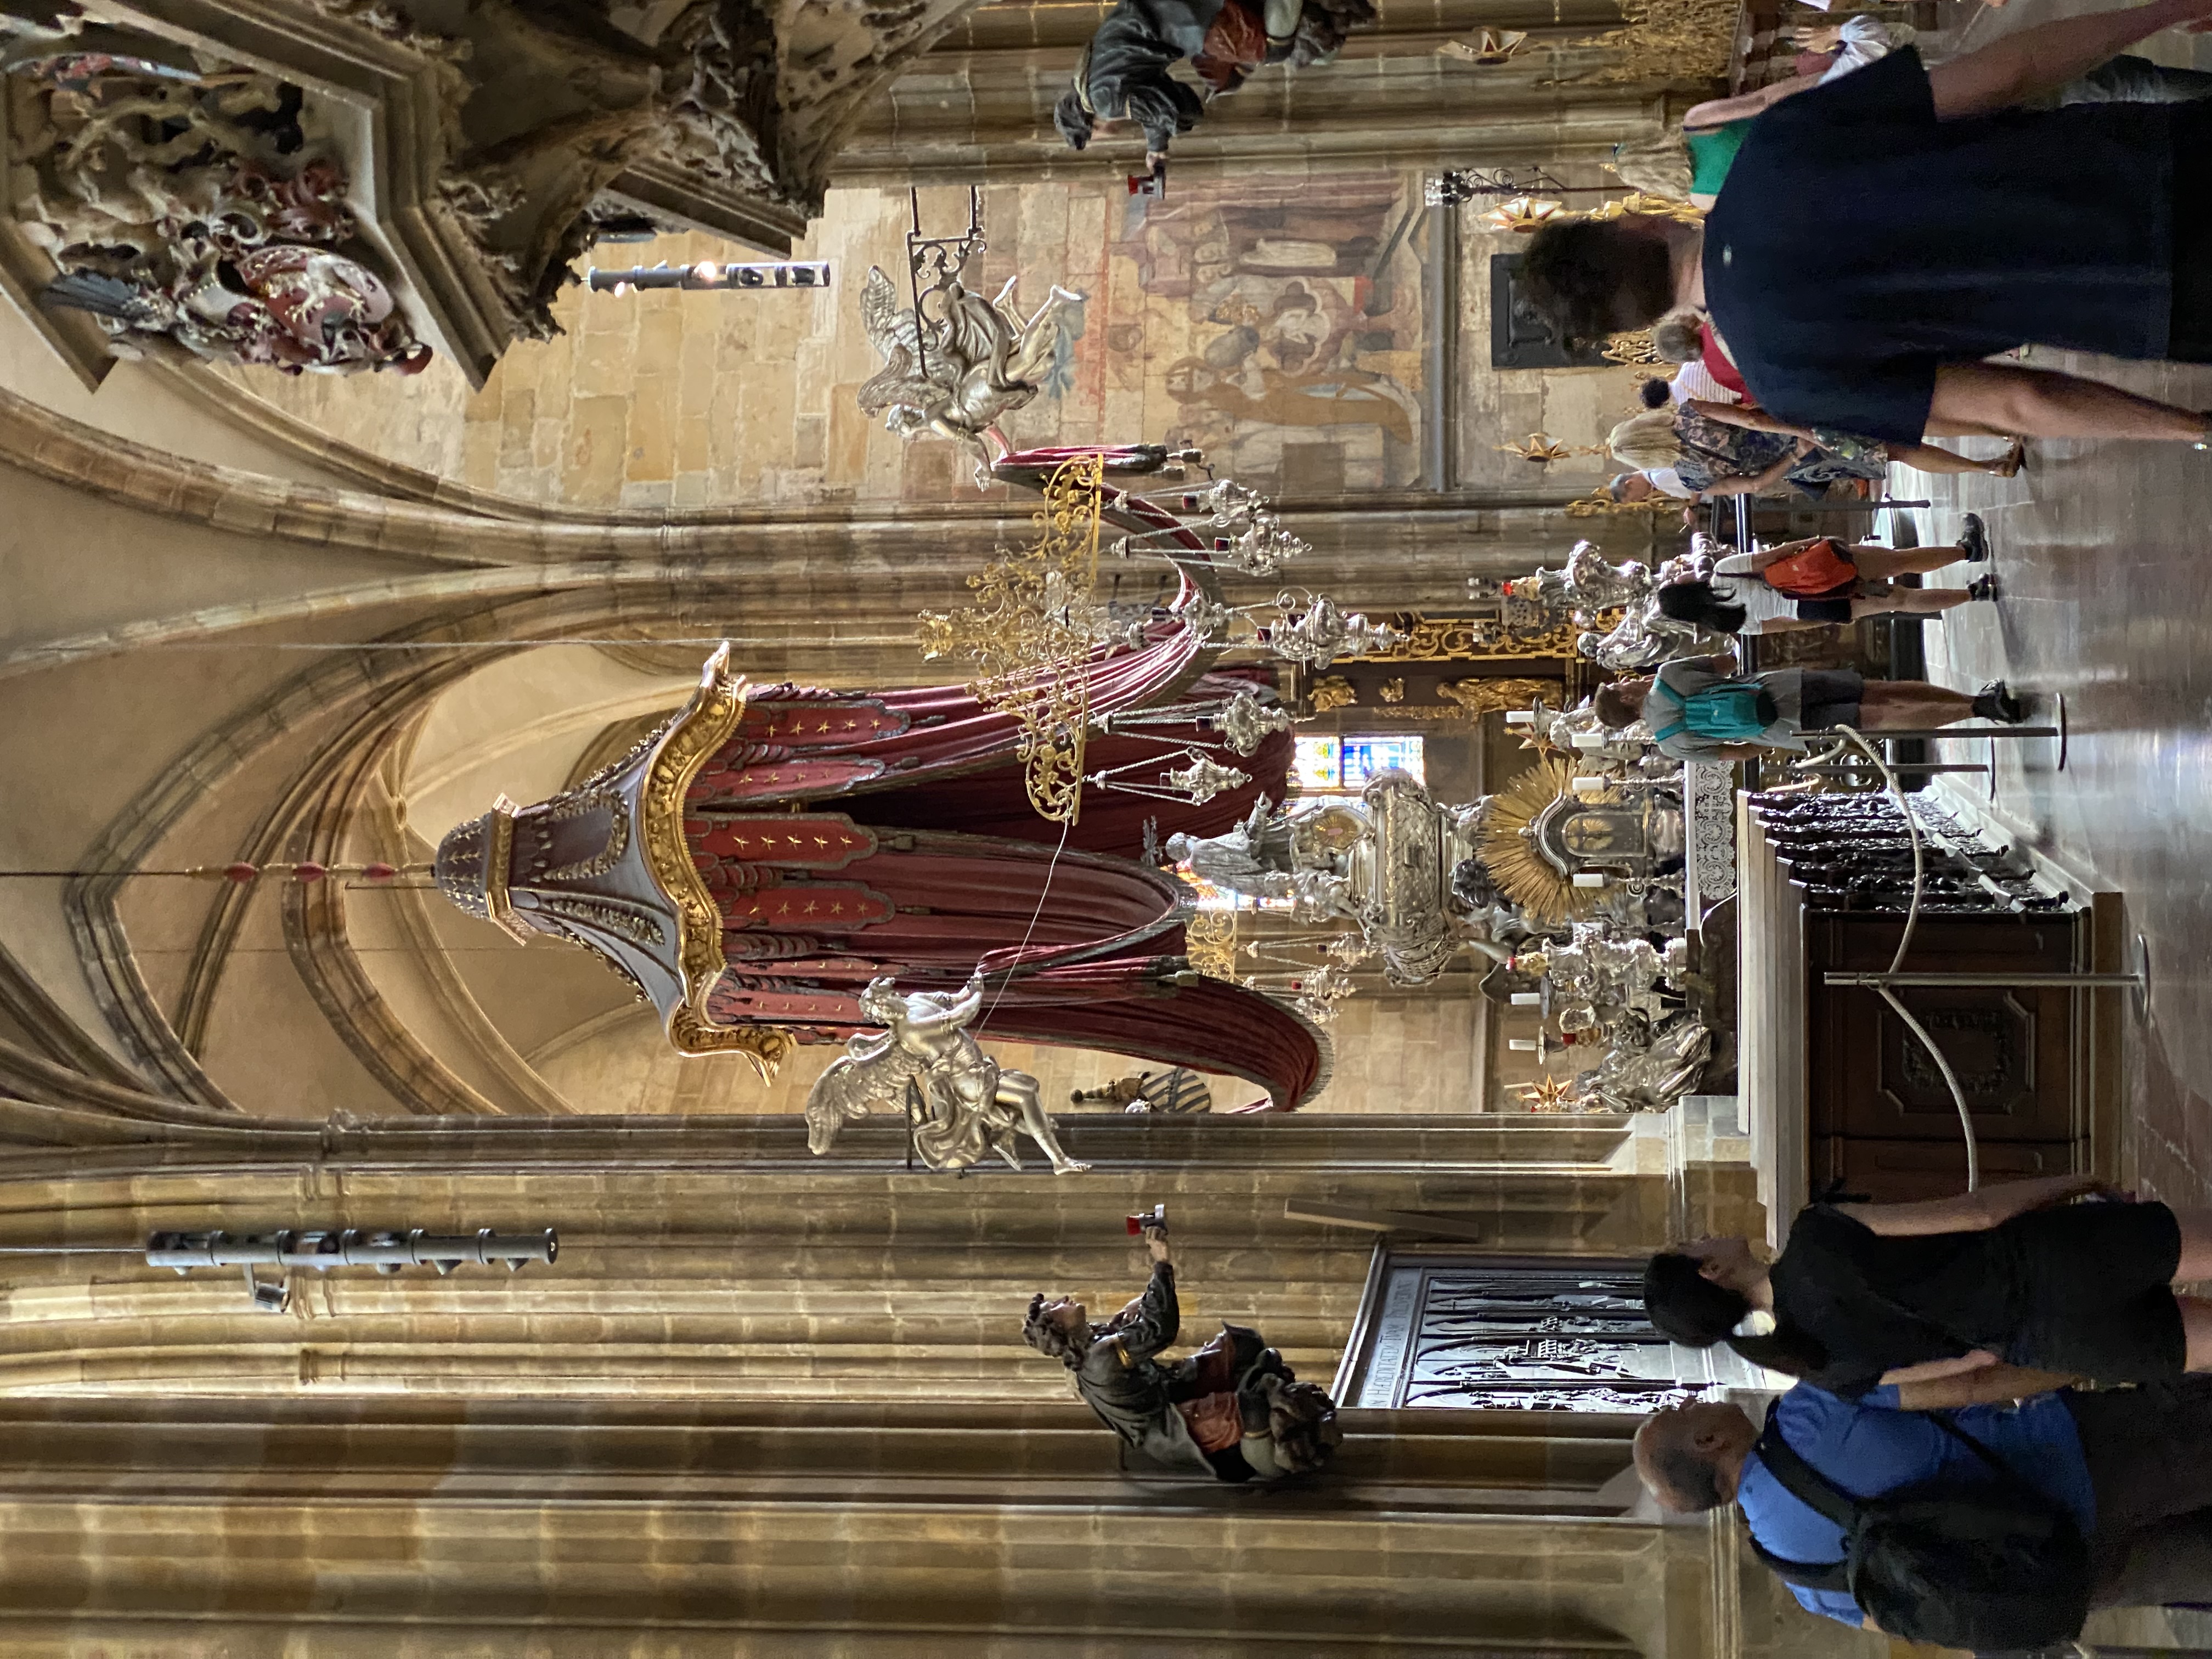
(409, 1530)
(1295, 329)
(713, 1258)
(980, 102)
(763, 1405)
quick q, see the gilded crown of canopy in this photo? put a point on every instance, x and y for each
(459, 870)
(606, 866)
(475, 864)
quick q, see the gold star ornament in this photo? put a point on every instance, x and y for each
(1485, 46)
(1521, 214)
(1548, 1094)
(1543, 450)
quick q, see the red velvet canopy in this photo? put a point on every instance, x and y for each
(815, 903)
(848, 835)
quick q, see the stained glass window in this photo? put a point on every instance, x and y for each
(1342, 765)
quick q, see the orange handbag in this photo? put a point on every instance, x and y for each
(1820, 572)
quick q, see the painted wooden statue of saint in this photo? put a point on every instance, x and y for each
(1233, 1409)
(1123, 74)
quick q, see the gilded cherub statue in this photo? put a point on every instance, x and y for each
(970, 1109)
(958, 370)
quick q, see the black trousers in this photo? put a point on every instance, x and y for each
(2188, 338)
(2149, 1453)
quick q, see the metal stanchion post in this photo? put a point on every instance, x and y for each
(1846, 768)
(1998, 981)
(1887, 735)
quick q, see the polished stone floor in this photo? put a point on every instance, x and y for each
(2100, 553)
(2103, 552)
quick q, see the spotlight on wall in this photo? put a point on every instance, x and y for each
(708, 273)
(289, 1251)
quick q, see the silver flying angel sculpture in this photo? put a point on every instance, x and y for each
(970, 1109)
(960, 362)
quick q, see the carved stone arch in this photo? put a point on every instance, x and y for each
(366, 700)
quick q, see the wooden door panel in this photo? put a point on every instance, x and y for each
(1893, 1171)
(1871, 1078)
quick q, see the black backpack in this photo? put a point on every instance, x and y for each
(1995, 1566)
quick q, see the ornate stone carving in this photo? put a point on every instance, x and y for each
(387, 23)
(179, 214)
(503, 147)
(1677, 42)
(1332, 692)
(1539, 447)
(1476, 697)
(1634, 348)
(1709, 811)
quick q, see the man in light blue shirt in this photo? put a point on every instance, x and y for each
(2134, 1466)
